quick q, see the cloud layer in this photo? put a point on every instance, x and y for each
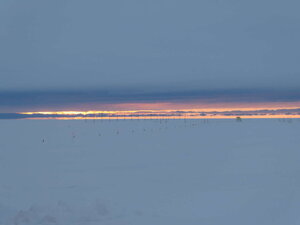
(108, 99)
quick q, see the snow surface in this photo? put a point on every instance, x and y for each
(212, 172)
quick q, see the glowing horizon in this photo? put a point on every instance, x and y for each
(194, 113)
(145, 104)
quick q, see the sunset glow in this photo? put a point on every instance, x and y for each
(208, 113)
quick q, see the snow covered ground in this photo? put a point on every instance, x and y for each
(215, 172)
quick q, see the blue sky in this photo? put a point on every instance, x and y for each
(167, 44)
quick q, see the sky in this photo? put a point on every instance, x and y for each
(159, 46)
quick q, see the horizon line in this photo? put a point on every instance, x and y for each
(288, 112)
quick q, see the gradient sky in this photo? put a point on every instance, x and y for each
(161, 45)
